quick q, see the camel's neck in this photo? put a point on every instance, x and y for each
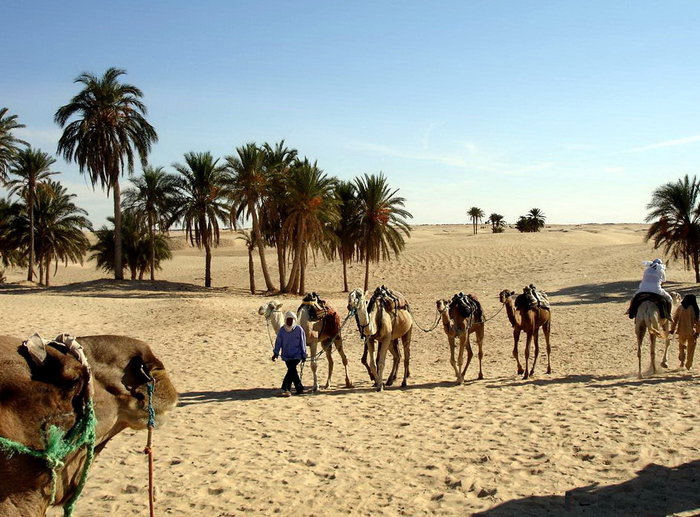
(513, 315)
(366, 322)
(276, 319)
(446, 322)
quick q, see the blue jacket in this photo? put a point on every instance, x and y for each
(293, 344)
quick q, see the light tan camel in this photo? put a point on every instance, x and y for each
(649, 319)
(523, 318)
(319, 331)
(457, 326)
(386, 327)
(686, 326)
(273, 315)
(45, 384)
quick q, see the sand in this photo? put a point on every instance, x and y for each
(589, 439)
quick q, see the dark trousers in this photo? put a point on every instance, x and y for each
(292, 376)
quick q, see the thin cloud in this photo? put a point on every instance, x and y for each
(668, 143)
(614, 170)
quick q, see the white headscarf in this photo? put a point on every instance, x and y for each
(656, 263)
(293, 315)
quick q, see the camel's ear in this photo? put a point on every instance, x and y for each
(36, 349)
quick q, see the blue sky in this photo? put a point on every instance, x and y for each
(578, 108)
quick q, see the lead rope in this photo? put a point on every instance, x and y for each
(437, 321)
(149, 447)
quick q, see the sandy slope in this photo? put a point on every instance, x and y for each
(501, 446)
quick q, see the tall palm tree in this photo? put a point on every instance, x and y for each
(153, 196)
(9, 144)
(204, 191)
(274, 207)
(675, 213)
(249, 240)
(250, 182)
(347, 227)
(383, 222)
(497, 222)
(32, 168)
(10, 254)
(536, 218)
(107, 130)
(311, 215)
(140, 252)
(59, 229)
(477, 214)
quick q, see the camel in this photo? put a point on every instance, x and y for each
(46, 385)
(686, 325)
(457, 326)
(387, 327)
(524, 318)
(321, 330)
(273, 314)
(649, 319)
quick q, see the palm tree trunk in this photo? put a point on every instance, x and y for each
(30, 203)
(293, 284)
(48, 271)
(41, 270)
(251, 270)
(696, 265)
(281, 265)
(261, 247)
(302, 276)
(152, 236)
(345, 274)
(118, 270)
(366, 271)
(207, 266)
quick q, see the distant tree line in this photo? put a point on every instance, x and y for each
(291, 203)
(533, 221)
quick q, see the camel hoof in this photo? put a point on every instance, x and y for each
(390, 382)
(549, 370)
(404, 384)
(520, 370)
(664, 364)
(481, 376)
(380, 387)
(349, 385)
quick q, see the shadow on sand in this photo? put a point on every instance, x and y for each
(606, 292)
(596, 381)
(105, 288)
(656, 491)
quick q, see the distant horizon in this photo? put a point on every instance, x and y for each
(581, 110)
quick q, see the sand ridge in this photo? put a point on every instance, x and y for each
(502, 446)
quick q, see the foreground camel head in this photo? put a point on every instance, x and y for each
(270, 307)
(505, 294)
(43, 386)
(355, 299)
(442, 305)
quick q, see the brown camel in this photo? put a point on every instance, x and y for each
(45, 385)
(321, 327)
(456, 325)
(686, 326)
(387, 327)
(524, 318)
(649, 319)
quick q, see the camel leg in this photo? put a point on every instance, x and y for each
(372, 364)
(652, 350)
(536, 338)
(480, 344)
(527, 354)
(451, 341)
(329, 356)
(667, 343)
(406, 340)
(640, 337)
(381, 360)
(312, 349)
(545, 330)
(396, 357)
(691, 352)
(516, 338)
(344, 358)
(470, 355)
(460, 359)
(366, 363)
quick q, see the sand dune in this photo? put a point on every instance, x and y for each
(501, 446)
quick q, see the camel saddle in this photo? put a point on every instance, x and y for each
(660, 301)
(468, 306)
(536, 298)
(689, 300)
(320, 309)
(393, 301)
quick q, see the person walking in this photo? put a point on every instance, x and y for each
(291, 342)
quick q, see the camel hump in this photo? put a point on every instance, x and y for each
(467, 305)
(393, 300)
(536, 298)
(644, 296)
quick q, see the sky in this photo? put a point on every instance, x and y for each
(580, 109)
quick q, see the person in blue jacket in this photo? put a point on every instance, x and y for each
(291, 341)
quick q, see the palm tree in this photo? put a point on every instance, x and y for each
(347, 227)
(278, 163)
(249, 240)
(477, 214)
(9, 144)
(533, 221)
(311, 215)
(59, 227)
(249, 184)
(32, 168)
(140, 251)
(382, 220)
(108, 128)
(9, 247)
(204, 191)
(153, 196)
(497, 222)
(675, 211)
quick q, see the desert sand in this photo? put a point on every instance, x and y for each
(589, 439)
